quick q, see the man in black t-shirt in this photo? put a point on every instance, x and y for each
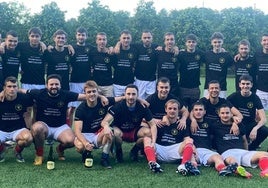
(12, 124)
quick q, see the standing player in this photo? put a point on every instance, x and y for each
(50, 122)
(1, 68)
(12, 124)
(127, 116)
(167, 62)
(233, 148)
(124, 66)
(249, 104)
(58, 59)
(102, 63)
(217, 63)
(10, 58)
(80, 69)
(190, 61)
(172, 144)
(245, 65)
(145, 69)
(262, 71)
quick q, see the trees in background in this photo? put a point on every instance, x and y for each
(234, 23)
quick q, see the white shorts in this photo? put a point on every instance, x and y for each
(203, 155)
(222, 94)
(54, 132)
(78, 88)
(92, 138)
(146, 88)
(243, 157)
(119, 90)
(264, 98)
(32, 86)
(5, 136)
(107, 91)
(168, 153)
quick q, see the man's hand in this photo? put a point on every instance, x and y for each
(234, 129)
(253, 134)
(89, 146)
(194, 126)
(182, 124)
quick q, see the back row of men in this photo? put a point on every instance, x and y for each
(140, 64)
(164, 131)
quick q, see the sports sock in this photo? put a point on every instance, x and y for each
(2, 147)
(220, 167)
(263, 163)
(150, 153)
(187, 153)
(18, 149)
(39, 151)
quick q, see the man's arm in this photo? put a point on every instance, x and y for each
(261, 122)
(105, 123)
(184, 115)
(153, 128)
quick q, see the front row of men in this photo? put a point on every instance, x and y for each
(168, 139)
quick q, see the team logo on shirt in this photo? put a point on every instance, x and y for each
(130, 55)
(86, 50)
(149, 50)
(101, 111)
(248, 65)
(174, 132)
(67, 58)
(107, 60)
(18, 107)
(250, 104)
(60, 104)
(197, 57)
(204, 125)
(221, 60)
(173, 59)
(135, 119)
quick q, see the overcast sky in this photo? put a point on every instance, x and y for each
(72, 7)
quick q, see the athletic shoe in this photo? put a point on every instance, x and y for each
(155, 167)
(38, 160)
(106, 163)
(264, 173)
(2, 156)
(192, 169)
(60, 154)
(241, 171)
(182, 170)
(10, 144)
(19, 157)
(134, 155)
(49, 142)
(119, 155)
(230, 169)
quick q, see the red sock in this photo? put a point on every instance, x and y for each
(18, 149)
(150, 153)
(2, 147)
(220, 167)
(263, 163)
(187, 153)
(39, 151)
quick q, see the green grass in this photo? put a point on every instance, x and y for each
(72, 173)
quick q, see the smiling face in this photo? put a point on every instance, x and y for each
(163, 90)
(101, 41)
(91, 94)
(131, 95)
(81, 38)
(214, 90)
(11, 42)
(53, 86)
(172, 110)
(225, 115)
(169, 42)
(60, 40)
(147, 39)
(245, 87)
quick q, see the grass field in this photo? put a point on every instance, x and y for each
(72, 173)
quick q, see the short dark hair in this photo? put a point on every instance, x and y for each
(244, 42)
(60, 32)
(10, 79)
(35, 30)
(132, 86)
(191, 37)
(224, 105)
(213, 82)
(163, 80)
(172, 101)
(198, 103)
(81, 30)
(12, 33)
(217, 35)
(53, 76)
(246, 77)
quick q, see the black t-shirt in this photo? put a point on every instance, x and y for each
(91, 116)
(216, 67)
(169, 135)
(157, 106)
(128, 119)
(52, 110)
(246, 105)
(11, 113)
(81, 64)
(262, 70)
(224, 140)
(32, 64)
(190, 68)
(102, 67)
(11, 63)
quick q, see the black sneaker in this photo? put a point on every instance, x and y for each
(191, 168)
(228, 170)
(106, 163)
(19, 158)
(119, 155)
(155, 167)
